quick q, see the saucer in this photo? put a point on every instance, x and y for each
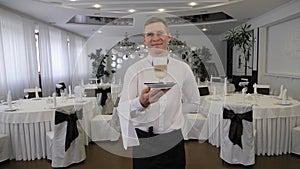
(10, 109)
(160, 85)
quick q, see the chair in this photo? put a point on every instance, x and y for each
(237, 139)
(4, 153)
(296, 140)
(31, 93)
(215, 79)
(105, 127)
(195, 127)
(104, 94)
(60, 86)
(65, 144)
(203, 90)
(263, 89)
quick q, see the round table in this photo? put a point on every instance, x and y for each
(273, 122)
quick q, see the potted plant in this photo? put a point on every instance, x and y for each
(242, 38)
(99, 64)
(199, 56)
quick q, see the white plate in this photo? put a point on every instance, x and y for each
(166, 85)
(283, 104)
(50, 107)
(80, 101)
(36, 98)
(12, 102)
(214, 99)
(10, 109)
(70, 97)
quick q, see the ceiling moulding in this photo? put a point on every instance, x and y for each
(207, 18)
(98, 20)
(216, 17)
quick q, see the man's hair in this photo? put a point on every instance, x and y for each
(155, 20)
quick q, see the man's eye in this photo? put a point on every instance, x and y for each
(149, 34)
(160, 33)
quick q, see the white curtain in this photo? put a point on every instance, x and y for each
(79, 62)
(45, 60)
(17, 55)
(53, 58)
(60, 62)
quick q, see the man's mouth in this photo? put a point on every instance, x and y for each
(156, 44)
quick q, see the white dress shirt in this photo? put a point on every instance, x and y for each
(166, 114)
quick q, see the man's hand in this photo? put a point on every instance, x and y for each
(144, 97)
(149, 96)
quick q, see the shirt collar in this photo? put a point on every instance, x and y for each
(150, 58)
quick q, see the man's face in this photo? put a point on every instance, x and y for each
(156, 36)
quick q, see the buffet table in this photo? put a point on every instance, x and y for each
(273, 122)
(27, 125)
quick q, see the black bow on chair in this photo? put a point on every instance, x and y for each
(236, 125)
(72, 131)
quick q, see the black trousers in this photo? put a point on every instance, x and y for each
(159, 151)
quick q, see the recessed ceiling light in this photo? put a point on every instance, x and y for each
(204, 29)
(72, 0)
(161, 9)
(131, 10)
(97, 6)
(192, 3)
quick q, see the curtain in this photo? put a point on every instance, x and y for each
(17, 55)
(60, 61)
(54, 59)
(79, 62)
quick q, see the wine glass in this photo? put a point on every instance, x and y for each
(160, 68)
(26, 95)
(160, 71)
(63, 94)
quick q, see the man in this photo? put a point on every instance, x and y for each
(155, 115)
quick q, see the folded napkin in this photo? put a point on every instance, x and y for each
(255, 88)
(284, 96)
(36, 92)
(70, 91)
(225, 86)
(54, 99)
(82, 82)
(9, 99)
(244, 90)
(281, 92)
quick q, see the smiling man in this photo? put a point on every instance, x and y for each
(151, 118)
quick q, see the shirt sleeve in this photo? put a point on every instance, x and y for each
(191, 96)
(129, 107)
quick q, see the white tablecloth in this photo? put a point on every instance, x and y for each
(273, 123)
(27, 126)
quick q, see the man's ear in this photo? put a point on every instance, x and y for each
(169, 37)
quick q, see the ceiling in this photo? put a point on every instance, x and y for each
(59, 12)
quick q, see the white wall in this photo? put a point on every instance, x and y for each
(278, 15)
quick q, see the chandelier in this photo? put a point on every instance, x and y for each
(125, 43)
(123, 50)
